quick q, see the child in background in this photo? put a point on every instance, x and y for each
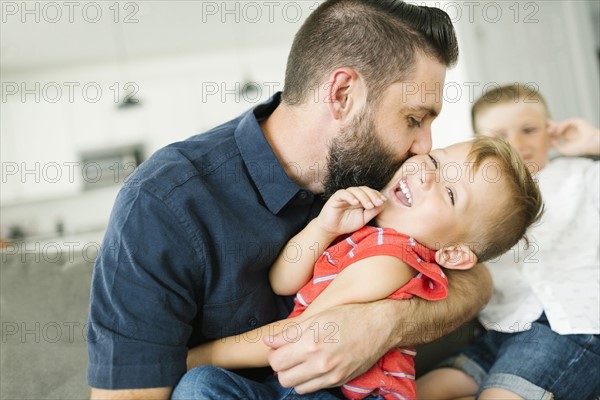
(543, 319)
(448, 205)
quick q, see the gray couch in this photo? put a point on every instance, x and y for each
(43, 311)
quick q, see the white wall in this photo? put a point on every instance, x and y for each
(42, 138)
(550, 44)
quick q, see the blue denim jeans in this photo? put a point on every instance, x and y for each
(214, 383)
(535, 364)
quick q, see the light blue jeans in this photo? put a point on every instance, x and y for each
(214, 383)
(535, 364)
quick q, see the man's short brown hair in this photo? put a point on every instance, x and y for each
(379, 39)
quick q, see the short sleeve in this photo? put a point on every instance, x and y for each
(429, 283)
(143, 296)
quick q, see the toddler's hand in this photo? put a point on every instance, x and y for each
(350, 209)
(574, 137)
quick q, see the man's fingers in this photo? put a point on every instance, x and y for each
(283, 356)
(282, 362)
(311, 375)
(320, 382)
(296, 361)
(301, 377)
(274, 341)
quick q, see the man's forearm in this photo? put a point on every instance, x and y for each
(419, 321)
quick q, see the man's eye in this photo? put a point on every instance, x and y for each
(529, 130)
(413, 122)
(451, 195)
(434, 161)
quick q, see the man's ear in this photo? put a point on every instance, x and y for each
(456, 256)
(344, 90)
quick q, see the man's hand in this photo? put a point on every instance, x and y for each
(574, 137)
(333, 346)
(349, 210)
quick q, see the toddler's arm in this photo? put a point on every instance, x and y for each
(346, 211)
(370, 279)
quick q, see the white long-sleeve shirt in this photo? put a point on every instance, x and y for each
(559, 274)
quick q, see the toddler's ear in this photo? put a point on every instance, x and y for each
(457, 256)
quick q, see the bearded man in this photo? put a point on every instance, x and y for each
(196, 228)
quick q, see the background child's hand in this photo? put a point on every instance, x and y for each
(574, 137)
(350, 209)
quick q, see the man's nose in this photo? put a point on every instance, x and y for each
(422, 142)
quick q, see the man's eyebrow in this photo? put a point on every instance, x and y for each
(428, 110)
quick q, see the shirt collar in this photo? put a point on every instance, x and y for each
(275, 187)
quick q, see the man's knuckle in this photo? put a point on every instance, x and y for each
(275, 364)
(326, 365)
(322, 366)
(303, 389)
(312, 347)
(337, 377)
(284, 380)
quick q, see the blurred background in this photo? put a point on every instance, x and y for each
(91, 89)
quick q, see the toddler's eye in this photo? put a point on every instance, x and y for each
(434, 161)
(451, 195)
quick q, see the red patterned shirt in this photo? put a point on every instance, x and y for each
(393, 376)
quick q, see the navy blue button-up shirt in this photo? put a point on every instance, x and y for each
(187, 252)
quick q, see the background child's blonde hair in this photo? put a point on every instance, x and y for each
(514, 93)
(522, 203)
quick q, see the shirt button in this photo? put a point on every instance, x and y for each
(252, 322)
(302, 195)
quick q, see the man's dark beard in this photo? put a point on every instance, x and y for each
(357, 157)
